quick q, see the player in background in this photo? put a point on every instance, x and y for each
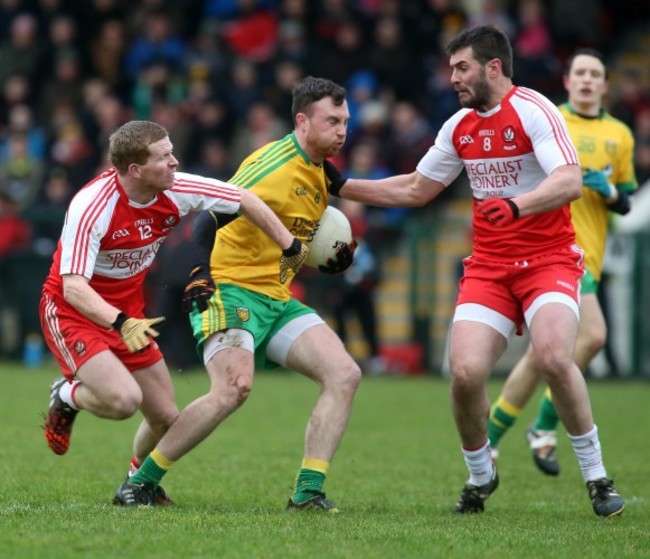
(605, 148)
(92, 303)
(249, 320)
(525, 265)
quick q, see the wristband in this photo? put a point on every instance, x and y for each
(514, 207)
(622, 205)
(119, 321)
(293, 249)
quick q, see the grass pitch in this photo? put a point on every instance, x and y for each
(396, 477)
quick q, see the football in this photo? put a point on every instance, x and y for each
(332, 230)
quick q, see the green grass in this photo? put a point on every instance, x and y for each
(396, 476)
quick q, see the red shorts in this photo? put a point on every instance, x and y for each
(73, 339)
(515, 290)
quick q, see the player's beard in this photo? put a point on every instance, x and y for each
(481, 97)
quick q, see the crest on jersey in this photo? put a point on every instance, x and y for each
(610, 148)
(170, 221)
(243, 313)
(508, 134)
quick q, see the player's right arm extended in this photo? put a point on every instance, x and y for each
(406, 191)
(134, 332)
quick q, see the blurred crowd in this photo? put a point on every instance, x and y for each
(218, 75)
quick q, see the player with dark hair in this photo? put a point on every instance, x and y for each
(525, 265)
(605, 148)
(242, 311)
(92, 303)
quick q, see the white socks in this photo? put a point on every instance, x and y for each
(479, 464)
(66, 393)
(590, 458)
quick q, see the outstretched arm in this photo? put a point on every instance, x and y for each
(397, 191)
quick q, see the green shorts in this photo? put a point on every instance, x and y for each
(235, 307)
(588, 284)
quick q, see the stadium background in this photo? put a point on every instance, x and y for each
(218, 75)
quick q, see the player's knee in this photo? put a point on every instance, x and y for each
(345, 379)
(552, 364)
(161, 423)
(124, 406)
(243, 390)
(351, 377)
(235, 393)
(466, 373)
(595, 341)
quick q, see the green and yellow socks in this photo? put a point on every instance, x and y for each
(310, 479)
(503, 415)
(547, 418)
(153, 469)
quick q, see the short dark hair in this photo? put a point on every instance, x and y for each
(588, 52)
(487, 43)
(310, 89)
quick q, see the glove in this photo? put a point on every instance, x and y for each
(335, 178)
(135, 332)
(499, 211)
(292, 259)
(342, 261)
(198, 290)
(597, 181)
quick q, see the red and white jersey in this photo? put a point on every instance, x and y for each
(112, 240)
(507, 152)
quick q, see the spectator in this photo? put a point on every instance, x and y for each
(213, 119)
(20, 173)
(15, 232)
(47, 215)
(16, 90)
(535, 64)
(21, 120)
(410, 138)
(69, 148)
(353, 292)
(244, 88)
(392, 60)
(156, 44)
(157, 82)
(642, 153)
(21, 53)
(107, 51)
(214, 161)
(278, 94)
(65, 85)
(347, 54)
(262, 126)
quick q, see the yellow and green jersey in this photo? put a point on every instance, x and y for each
(603, 144)
(284, 177)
